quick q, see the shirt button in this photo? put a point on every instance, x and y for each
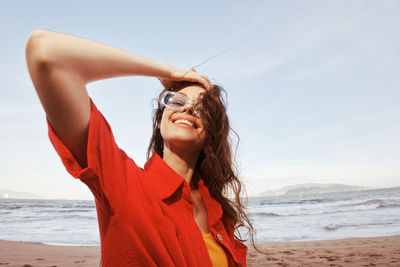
(219, 237)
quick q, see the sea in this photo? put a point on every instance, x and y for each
(288, 218)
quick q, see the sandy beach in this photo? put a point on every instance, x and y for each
(374, 251)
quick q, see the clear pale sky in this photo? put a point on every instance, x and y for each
(313, 86)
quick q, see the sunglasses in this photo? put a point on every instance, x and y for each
(178, 102)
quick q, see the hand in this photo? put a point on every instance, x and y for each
(178, 74)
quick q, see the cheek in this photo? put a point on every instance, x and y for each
(163, 123)
(202, 135)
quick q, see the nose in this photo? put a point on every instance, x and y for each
(189, 109)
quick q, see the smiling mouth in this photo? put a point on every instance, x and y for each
(185, 123)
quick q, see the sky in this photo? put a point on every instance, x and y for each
(313, 87)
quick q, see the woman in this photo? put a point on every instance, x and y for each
(172, 212)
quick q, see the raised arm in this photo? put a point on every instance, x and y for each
(61, 65)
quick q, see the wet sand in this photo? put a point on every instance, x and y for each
(351, 252)
(374, 251)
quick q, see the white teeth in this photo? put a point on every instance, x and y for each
(185, 122)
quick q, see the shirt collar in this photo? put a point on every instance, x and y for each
(166, 181)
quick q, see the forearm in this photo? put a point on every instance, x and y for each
(89, 60)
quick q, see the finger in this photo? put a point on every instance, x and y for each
(187, 72)
(211, 84)
(203, 79)
(197, 77)
(207, 80)
(206, 84)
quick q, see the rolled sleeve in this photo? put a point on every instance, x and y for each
(101, 147)
(110, 174)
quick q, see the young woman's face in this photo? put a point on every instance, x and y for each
(178, 133)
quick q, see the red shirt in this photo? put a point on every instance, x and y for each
(145, 214)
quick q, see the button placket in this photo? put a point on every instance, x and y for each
(230, 249)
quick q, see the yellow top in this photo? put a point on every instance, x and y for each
(216, 252)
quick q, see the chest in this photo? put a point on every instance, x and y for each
(200, 212)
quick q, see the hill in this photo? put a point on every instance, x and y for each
(313, 188)
(9, 194)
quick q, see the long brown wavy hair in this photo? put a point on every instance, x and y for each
(215, 163)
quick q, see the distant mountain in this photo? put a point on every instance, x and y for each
(4, 194)
(313, 188)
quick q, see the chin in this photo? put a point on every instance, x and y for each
(183, 142)
(188, 144)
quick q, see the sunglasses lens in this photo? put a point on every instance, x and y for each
(173, 100)
(177, 101)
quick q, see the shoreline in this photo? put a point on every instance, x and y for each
(246, 243)
(365, 251)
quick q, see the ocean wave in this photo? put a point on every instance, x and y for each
(265, 214)
(10, 207)
(28, 219)
(379, 203)
(73, 206)
(389, 205)
(333, 226)
(313, 212)
(294, 202)
(5, 212)
(363, 203)
(79, 217)
(329, 208)
(355, 209)
(69, 210)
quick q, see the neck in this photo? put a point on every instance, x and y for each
(183, 162)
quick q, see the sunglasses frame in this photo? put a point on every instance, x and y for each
(187, 101)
